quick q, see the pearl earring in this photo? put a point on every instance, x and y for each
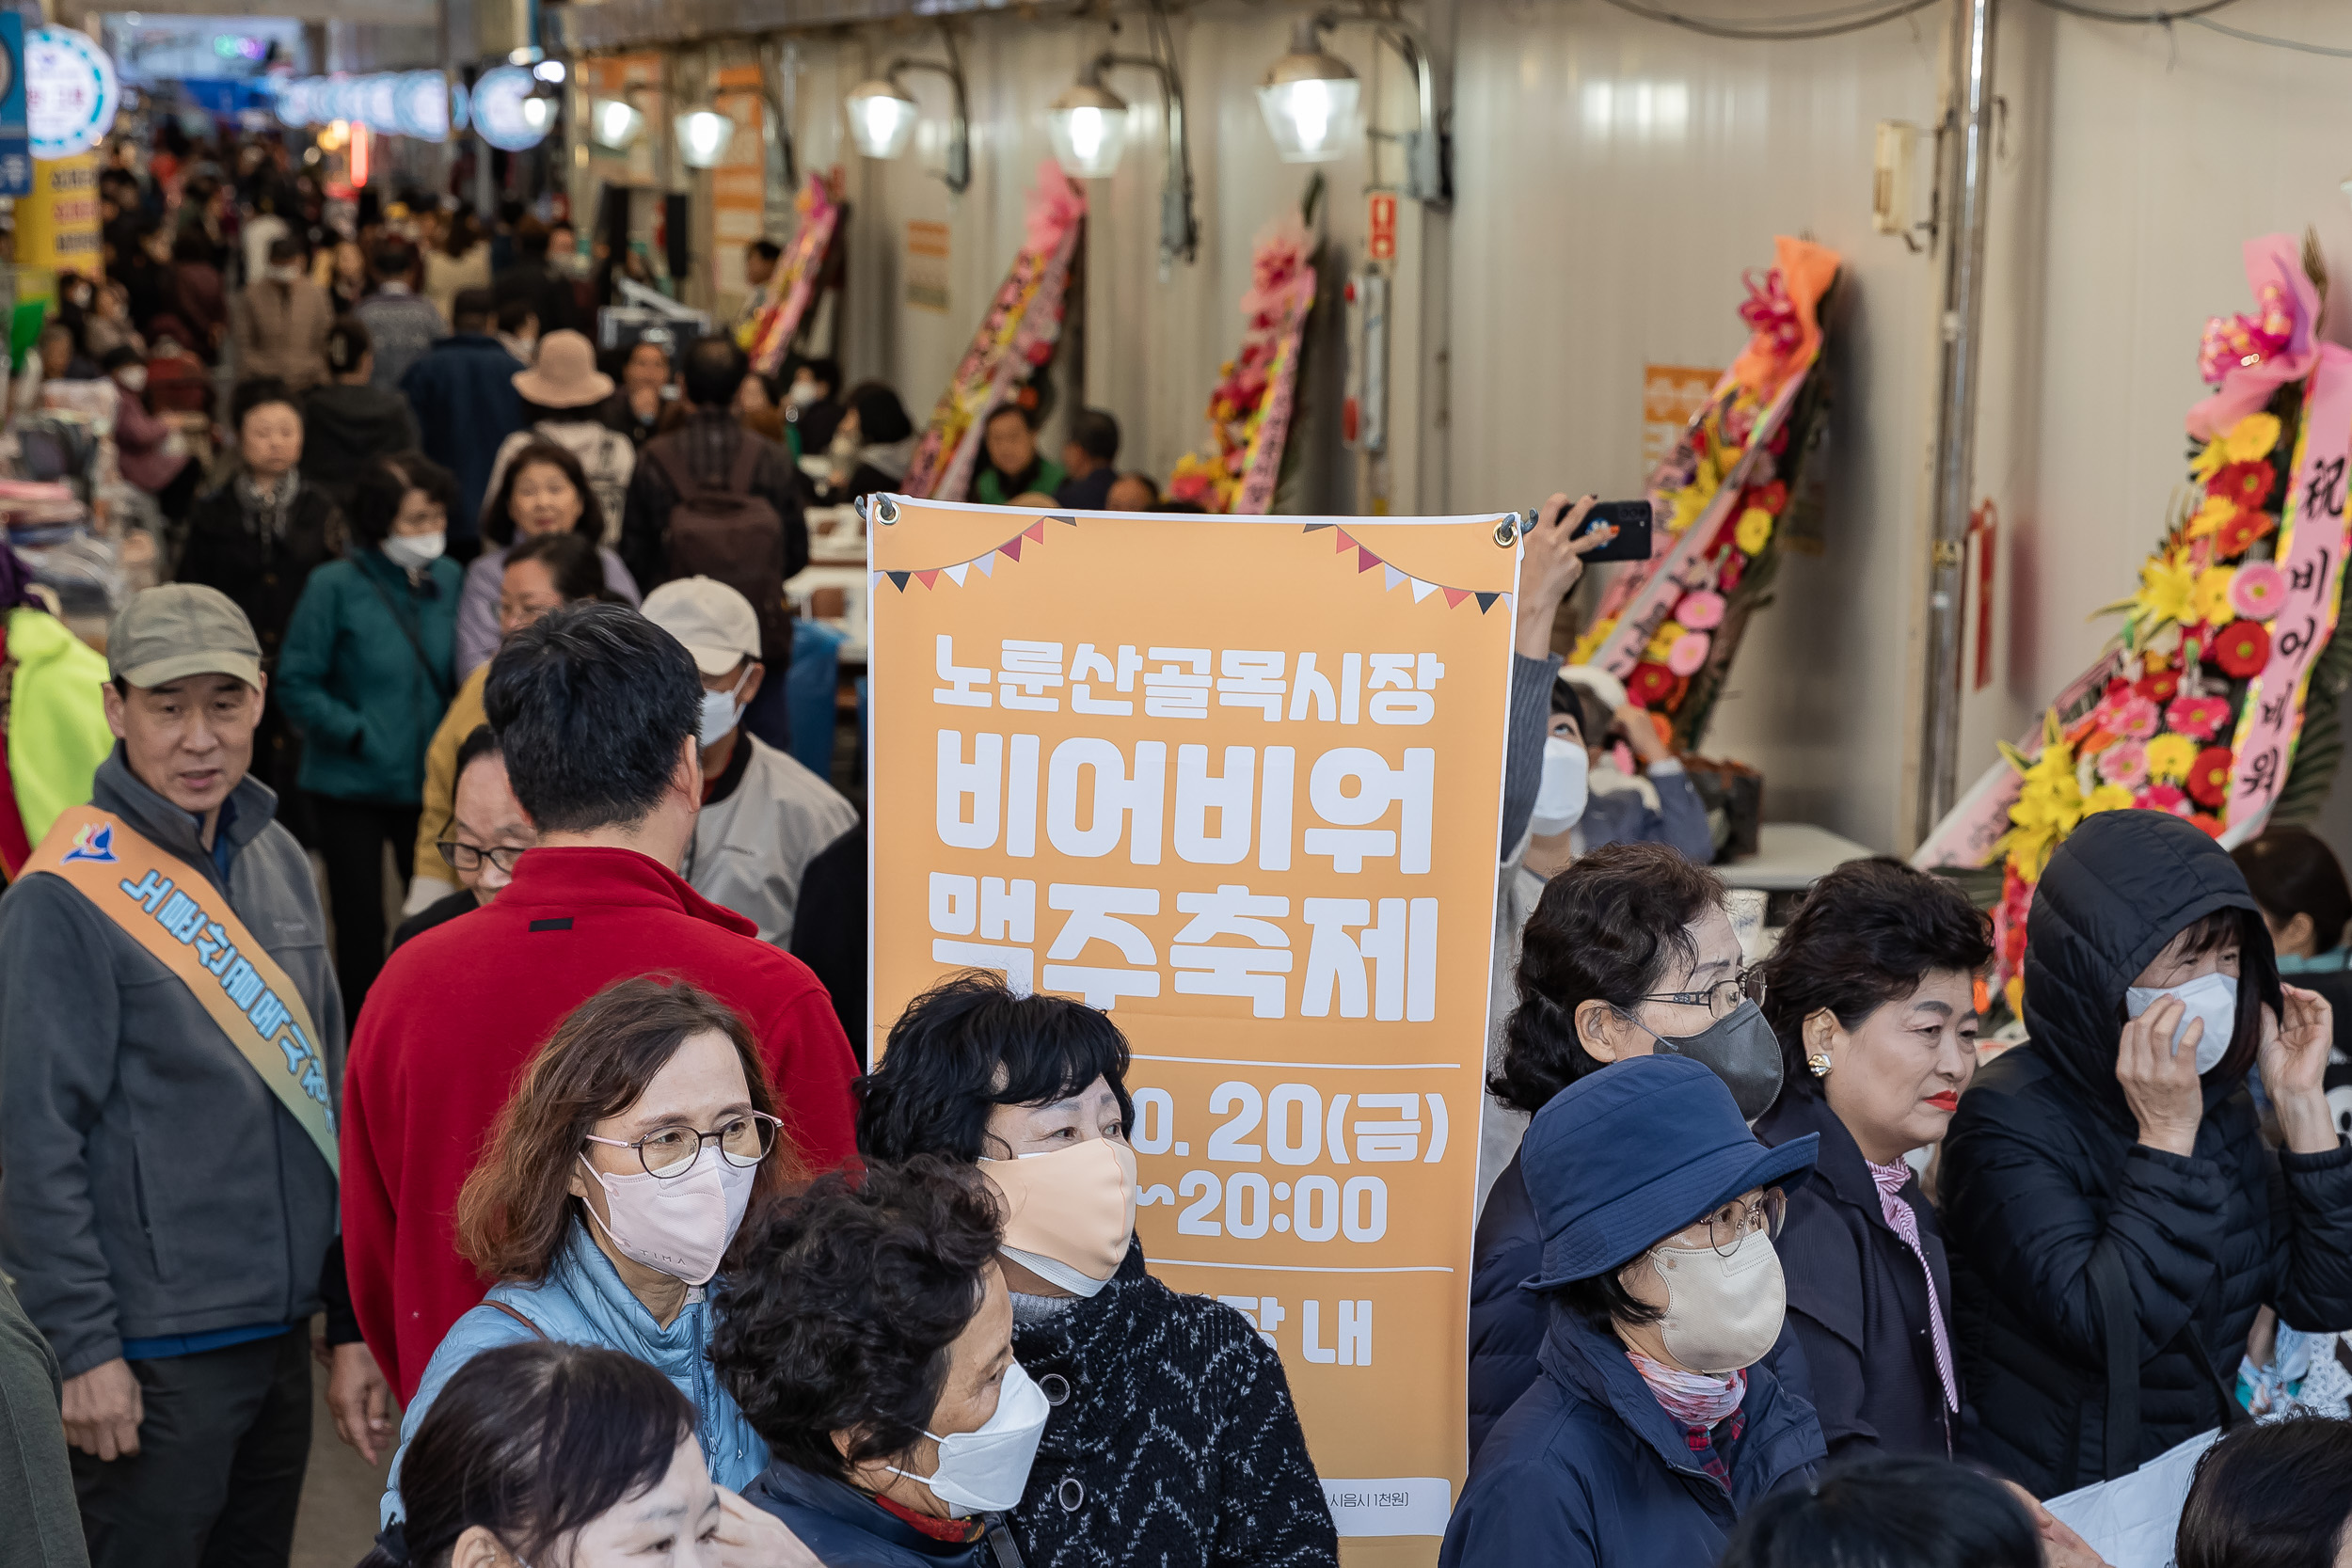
(1820, 1063)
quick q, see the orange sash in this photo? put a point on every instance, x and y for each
(180, 918)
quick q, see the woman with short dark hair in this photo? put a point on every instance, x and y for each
(1629, 953)
(1174, 1440)
(607, 1195)
(1890, 1513)
(2299, 885)
(2115, 1217)
(867, 1337)
(365, 676)
(2271, 1495)
(542, 490)
(1872, 992)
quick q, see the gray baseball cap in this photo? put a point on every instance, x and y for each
(182, 628)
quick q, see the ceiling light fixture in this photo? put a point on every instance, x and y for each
(703, 137)
(882, 113)
(1312, 100)
(1089, 126)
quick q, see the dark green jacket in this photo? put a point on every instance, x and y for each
(353, 678)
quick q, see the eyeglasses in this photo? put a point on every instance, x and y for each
(743, 1141)
(1720, 999)
(468, 857)
(1732, 1223)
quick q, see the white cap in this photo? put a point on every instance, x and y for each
(717, 624)
(1591, 677)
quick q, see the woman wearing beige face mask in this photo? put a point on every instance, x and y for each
(1172, 1438)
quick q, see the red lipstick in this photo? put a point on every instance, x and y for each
(1947, 1101)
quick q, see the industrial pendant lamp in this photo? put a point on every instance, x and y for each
(1308, 98)
(882, 113)
(614, 124)
(1088, 126)
(703, 137)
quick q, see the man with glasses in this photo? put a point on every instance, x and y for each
(487, 834)
(598, 713)
(171, 1050)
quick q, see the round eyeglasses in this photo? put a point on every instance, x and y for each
(1723, 998)
(743, 1142)
(1735, 1222)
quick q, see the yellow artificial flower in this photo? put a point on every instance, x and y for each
(2107, 797)
(1589, 644)
(2168, 588)
(2013, 993)
(2217, 510)
(1689, 502)
(2212, 598)
(2170, 757)
(1662, 643)
(2049, 801)
(2250, 437)
(1753, 532)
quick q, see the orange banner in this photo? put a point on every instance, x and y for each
(1236, 781)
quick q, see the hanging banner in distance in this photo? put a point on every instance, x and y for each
(1236, 781)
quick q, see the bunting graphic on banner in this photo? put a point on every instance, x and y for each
(1392, 576)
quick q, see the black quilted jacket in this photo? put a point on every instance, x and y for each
(1172, 1441)
(2043, 1170)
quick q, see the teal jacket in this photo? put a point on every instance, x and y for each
(352, 679)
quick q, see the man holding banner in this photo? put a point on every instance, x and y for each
(172, 1040)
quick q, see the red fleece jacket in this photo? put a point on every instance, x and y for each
(459, 1012)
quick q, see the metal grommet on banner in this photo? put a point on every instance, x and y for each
(1507, 530)
(1055, 1387)
(1071, 1494)
(887, 510)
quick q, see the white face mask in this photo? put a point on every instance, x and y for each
(281, 274)
(680, 1225)
(986, 1471)
(415, 550)
(2210, 997)
(132, 378)
(1560, 802)
(803, 394)
(1722, 1313)
(720, 713)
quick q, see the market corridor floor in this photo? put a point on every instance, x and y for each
(337, 1524)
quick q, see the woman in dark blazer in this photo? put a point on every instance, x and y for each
(1871, 992)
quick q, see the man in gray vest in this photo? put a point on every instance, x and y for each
(171, 1046)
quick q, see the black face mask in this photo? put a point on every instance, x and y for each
(1741, 1048)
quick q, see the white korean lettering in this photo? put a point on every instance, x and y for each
(1255, 973)
(979, 781)
(1120, 802)
(1087, 665)
(1095, 916)
(1199, 793)
(1377, 788)
(1173, 691)
(955, 904)
(965, 682)
(1250, 678)
(1028, 671)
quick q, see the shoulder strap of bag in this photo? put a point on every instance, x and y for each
(416, 643)
(1000, 1544)
(2110, 1292)
(537, 1332)
(746, 465)
(176, 916)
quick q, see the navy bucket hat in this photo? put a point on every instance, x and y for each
(1625, 1157)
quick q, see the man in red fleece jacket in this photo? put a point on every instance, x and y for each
(598, 712)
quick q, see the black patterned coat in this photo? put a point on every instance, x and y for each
(1172, 1441)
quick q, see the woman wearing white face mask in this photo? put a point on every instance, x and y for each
(1174, 1440)
(541, 489)
(610, 1191)
(1651, 1426)
(868, 1335)
(365, 676)
(2115, 1217)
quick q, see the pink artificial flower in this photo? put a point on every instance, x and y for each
(2133, 718)
(2124, 762)
(2165, 796)
(2198, 717)
(1688, 653)
(2258, 590)
(1700, 611)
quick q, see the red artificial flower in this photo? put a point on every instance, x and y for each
(1771, 498)
(2158, 686)
(2209, 822)
(2242, 648)
(2241, 533)
(2209, 776)
(2246, 484)
(1652, 684)
(2118, 691)
(1779, 443)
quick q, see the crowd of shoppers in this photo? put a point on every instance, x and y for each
(621, 1257)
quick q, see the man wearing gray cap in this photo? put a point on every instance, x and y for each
(764, 816)
(172, 1045)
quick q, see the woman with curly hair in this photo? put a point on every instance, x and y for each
(608, 1193)
(867, 1337)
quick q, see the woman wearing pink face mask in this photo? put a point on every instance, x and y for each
(610, 1190)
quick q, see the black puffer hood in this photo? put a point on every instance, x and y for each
(2122, 885)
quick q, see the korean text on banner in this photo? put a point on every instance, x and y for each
(56, 226)
(1236, 781)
